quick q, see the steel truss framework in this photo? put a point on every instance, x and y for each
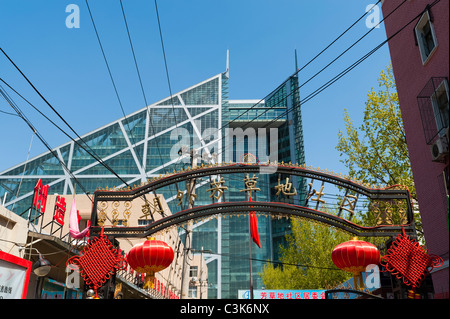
(129, 146)
(270, 208)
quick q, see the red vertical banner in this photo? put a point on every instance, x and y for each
(40, 196)
(254, 226)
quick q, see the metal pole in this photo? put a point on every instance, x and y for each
(201, 273)
(250, 251)
(250, 262)
(188, 240)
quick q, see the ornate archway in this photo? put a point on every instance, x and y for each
(380, 202)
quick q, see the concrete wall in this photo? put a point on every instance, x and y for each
(13, 230)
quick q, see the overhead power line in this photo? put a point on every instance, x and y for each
(309, 62)
(15, 107)
(165, 62)
(104, 58)
(354, 65)
(340, 75)
(140, 80)
(90, 151)
(313, 59)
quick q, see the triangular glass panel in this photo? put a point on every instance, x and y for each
(170, 101)
(161, 119)
(197, 110)
(159, 149)
(205, 94)
(122, 163)
(46, 164)
(135, 126)
(102, 143)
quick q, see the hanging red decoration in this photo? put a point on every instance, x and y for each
(97, 261)
(409, 261)
(149, 257)
(354, 256)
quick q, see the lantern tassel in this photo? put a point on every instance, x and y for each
(149, 281)
(358, 281)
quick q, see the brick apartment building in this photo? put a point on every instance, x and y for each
(420, 61)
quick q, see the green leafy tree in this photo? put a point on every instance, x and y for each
(376, 152)
(305, 261)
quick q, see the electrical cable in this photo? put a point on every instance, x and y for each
(310, 61)
(105, 59)
(41, 138)
(91, 152)
(109, 69)
(271, 261)
(133, 142)
(142, 88)
(351, 67)
(8, 113)
(56, 125)
(340, 75)
(165, 62)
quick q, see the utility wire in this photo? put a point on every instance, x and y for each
(91, 152)
(165, 62)
(111, 76)
(56, 125)
(8, 113)
(41, 138)
(317, 73)
(134, 55)
(351, 67)
(310, 61)
(272, 261)
(150, 119)
(104, 58)
(337, 77)
(167, 73)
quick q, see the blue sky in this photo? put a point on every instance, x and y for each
(67, 66)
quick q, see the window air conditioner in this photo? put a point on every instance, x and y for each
(439, 149)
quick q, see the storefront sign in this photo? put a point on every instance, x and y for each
(282, 294)
(14, 276)
(40, 196)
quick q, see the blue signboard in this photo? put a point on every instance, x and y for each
(282, 294)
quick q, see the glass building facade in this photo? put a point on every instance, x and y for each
(145, 144)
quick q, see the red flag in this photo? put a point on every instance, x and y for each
(254, 226)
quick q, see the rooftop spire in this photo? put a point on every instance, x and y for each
(227, 73)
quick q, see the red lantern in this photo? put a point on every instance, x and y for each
(354, 256)
(149, 257)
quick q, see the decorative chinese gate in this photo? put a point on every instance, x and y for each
(388, 209)
(381, 202)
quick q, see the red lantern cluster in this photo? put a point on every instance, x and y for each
(149, 257)
(354, 256)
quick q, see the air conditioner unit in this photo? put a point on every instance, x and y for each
(439, 149)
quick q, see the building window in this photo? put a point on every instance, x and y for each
(193, 271)
(433, 103)
(144, 222)
(426, 37)
(192, 293)
(439, 100)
